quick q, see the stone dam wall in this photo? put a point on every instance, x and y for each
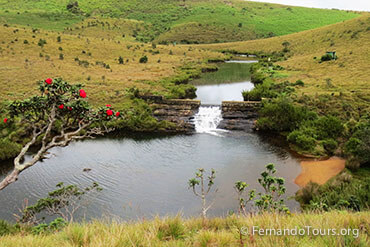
(178, 111)
(239, 115)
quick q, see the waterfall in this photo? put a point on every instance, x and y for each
(207, 119)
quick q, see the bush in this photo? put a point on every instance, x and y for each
(281, 115)
(120, 60)
(258, 77)
(299, 83)
(326, 57)
(330, 145)
(41, 42)
(6, 228)
(358, 146)
(353, 164)
(328, 127)
(172, 228)
(8, 149)
(143, 59)
(260, 91)
(346, 191)
(302, 140)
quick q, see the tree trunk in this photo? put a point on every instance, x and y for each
(11, 178)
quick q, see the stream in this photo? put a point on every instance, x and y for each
(143, 176)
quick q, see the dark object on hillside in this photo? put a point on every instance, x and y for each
(73, 7)
(86, 169)
(143, 59)
(330, 55)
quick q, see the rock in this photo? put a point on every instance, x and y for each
(239, 115)
(178, 111)
(86, 169)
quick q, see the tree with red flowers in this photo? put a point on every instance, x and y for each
(59, 115)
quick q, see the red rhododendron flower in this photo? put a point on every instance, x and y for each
(82, 93)
(61, 106)
(70, 108)
(117, 114)
(109, 112)
(49, 81)
(108, 105)
(5, 120)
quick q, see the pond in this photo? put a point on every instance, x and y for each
(146, 175)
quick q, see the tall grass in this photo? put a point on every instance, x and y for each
(190, 232)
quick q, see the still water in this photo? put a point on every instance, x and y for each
(144, 176)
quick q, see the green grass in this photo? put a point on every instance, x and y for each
(41, 20)
(197, 21)
(176, 231)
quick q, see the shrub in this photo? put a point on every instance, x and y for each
(281, 115)
(299, 83)
(41, 42)
(143, 59)
(358, 146)
(258, 77)
(302, 140)
(327, 57)
(342, 192)
(172, 228)
(120, 60)
(6, 228)
(353, 164)
(260, 91)
(328, 127)
(61, 56)
(8, 149)
(330, 145)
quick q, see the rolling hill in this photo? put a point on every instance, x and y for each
(344, 82)
(187, 21)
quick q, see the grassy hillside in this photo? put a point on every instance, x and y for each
(342, 85)
(194, 21)
(92, 61)
(217, 232)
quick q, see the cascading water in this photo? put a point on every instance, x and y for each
(207, 119)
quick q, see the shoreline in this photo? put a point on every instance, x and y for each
(319, 171)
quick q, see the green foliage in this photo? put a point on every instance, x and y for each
(200, 181)
(271, 200)
(41, 42)
(281, 114)
(240, 188)
(44, 228)
(358, 145)
(137, 116)
(345, 191)
(301, 139)
(328, 127)
(171, 229)
(63, 201)
(168, 21)
(330, 145)
(6, 228)
(120, 60)
(143, 59)
(8, 149)
(327, 57)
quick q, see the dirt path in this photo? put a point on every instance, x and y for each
(319, 171)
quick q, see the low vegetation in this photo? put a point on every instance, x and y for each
(175, 231)
(188, 21)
